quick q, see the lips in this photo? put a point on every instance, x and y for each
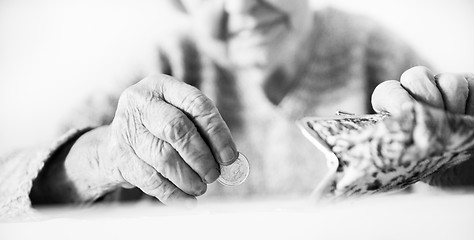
(259, 31)
(258, 25)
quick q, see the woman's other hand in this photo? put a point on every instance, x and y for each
(448, 91)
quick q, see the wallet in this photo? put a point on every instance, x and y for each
(375, 153)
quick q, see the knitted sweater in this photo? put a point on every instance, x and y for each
(347, 57)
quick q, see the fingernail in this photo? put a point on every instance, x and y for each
(201, 188)
(227, 155)
(212, 175)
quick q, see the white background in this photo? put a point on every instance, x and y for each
(53, 53)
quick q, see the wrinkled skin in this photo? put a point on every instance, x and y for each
(170, 133)
(166, 138)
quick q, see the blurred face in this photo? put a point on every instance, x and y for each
(249, 33)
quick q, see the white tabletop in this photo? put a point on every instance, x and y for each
(407, 216)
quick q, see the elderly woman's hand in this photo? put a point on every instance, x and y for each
(452, 92)
(167, 139)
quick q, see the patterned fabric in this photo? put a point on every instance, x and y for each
(347, 57)
(380, 153)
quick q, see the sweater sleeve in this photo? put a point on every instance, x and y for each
(19, 169)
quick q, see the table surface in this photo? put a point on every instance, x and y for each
(403, 216)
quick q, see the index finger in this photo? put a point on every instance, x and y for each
(204, 114)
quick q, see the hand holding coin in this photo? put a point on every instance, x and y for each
(235, 173)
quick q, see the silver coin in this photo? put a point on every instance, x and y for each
(235, 173)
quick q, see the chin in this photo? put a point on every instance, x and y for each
(261, 60)
(263, 57)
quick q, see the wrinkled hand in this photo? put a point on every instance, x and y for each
(452, 92)
(167, 139)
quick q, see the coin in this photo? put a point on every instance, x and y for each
(235, 173)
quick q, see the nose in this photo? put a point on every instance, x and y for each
(240, 6)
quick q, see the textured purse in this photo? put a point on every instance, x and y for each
(379, 153)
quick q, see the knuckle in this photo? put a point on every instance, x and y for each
(415, 74)
(132, 98)
(215, 128)
(129, 94)
(198, 103)
(153, 182)
(127, 123)
(143, 92)
(168, 193)
(166, 158)
(150, 147)
(178, 129)
(157, 82)
(203, 161)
